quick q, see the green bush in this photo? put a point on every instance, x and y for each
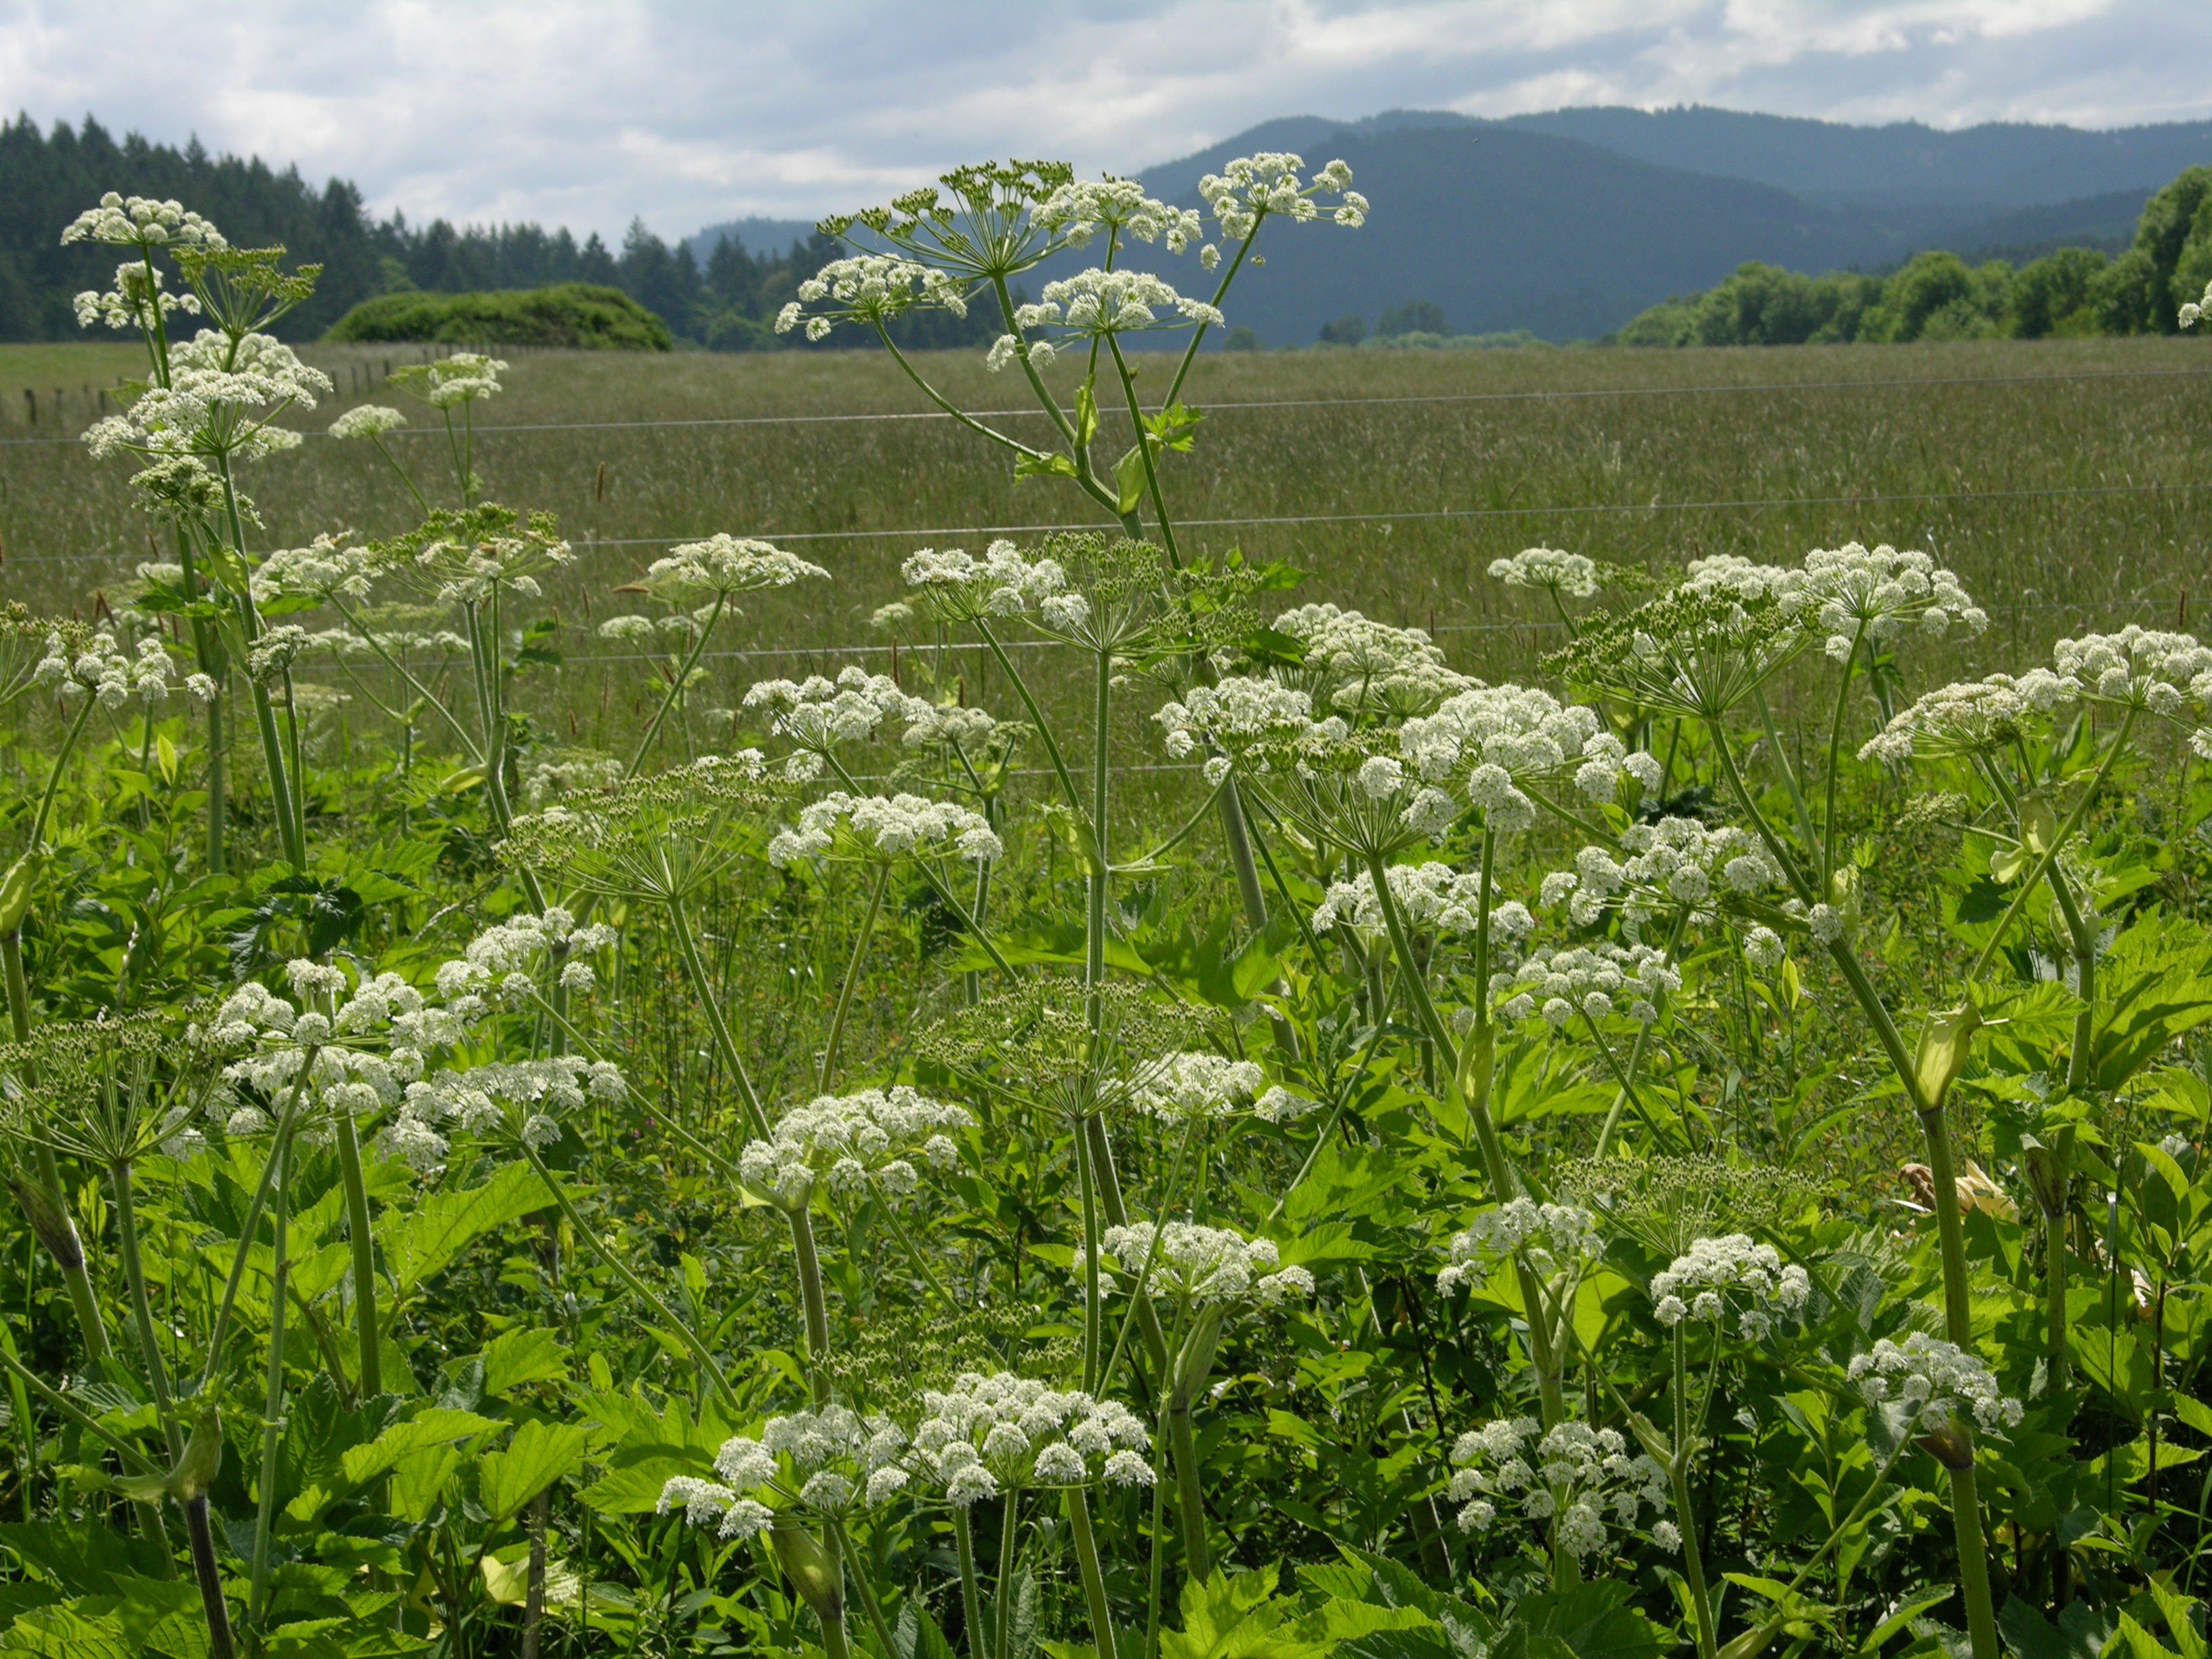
(581, 314)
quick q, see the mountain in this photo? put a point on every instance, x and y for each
(1567, 224)
(1996, 166)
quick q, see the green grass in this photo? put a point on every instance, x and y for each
(1939, 446)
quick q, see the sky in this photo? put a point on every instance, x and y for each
(586, 114)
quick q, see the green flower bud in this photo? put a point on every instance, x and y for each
(15, 890)
(49, 1220)
(203, 1460)
(811, 1566)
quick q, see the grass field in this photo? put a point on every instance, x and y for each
(2060, 478)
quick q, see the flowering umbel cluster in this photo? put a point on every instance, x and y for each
(988, 1434)
(1551, 1236)
(828, 1461)
(849, 1141)
(1203, 1265)
(1570, 1476)
(1939, 1380)
(1730, 1270)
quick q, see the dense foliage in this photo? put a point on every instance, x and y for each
(1935, 295)
(1429, 1201)
(575, 314)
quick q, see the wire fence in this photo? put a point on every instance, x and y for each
(1378, 516)
(1554, 395)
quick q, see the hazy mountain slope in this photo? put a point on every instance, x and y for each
(756, 235)
(1995, 165)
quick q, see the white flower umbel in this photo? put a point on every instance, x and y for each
(1939, 1380)
(326, 569)
(1572, 1477)
(880, 828)
(573, 773)
(829, 1460)
(222, 394)
(1085, 209)
(991, 1434)
(1674, 864)
(1595, 980)
(723, 565)
(1101, 302)
(467, 572)
(1252, 188)
(2139, 668)
(870, 290)
(1503, 739)
(1568, 575)
(466, 377)
(508, 1102)
(508, 961)
(139, 289)
(1879, 594)
(817, 714)
(2195, 309)
(958, 587)
(367, 421)
(1187, 1087)
(1433, 898)
(849, 1141)
(1718, 1273)
(1363, 667)
(100, 669)
(1213, 1266)
(1241, 714)
(141, 222)
(1972, 719)
(1554, 1236)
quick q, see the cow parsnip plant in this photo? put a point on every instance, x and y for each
(741, 1194)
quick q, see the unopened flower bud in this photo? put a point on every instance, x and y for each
(1950, 1445)
(49, 1220)
(810, 1567)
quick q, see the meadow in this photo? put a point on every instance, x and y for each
(1479, 1005)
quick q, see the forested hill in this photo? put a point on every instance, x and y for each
(726, 298)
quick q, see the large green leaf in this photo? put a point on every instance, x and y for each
(446, 1224)
(540, 1454)
(434, 1427)
(518, 1357)
(1591, 1620)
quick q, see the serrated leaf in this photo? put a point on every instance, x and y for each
(437, 1426)
(540, 1453)
(518, 1357)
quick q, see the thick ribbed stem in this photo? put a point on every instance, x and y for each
(1190, 1493)
(141, 1310)
(362, 1242)
(812, 1300)
(971, 1601)
(1002, 1633)
(272, 1410)
(209, 1577)
(1094, 1575)
(1693, 1566)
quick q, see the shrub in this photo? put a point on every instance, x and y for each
(581, 314)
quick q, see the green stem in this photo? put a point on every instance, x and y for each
(209, 1575)
(37, 835)
(1094, 1577)
(1973, 1564)
(1642, 1042)
(469, 744)
(1094, 1313)
(829, 1068)
(1797, 805)
(1694, 1566)
(1002, 1633)
(812, 1300)
(899, 1231)
(361, 1239)
(866, 1585)
(937, 398)
(2050, 857)
(272, 1412)
(219, 1334)
(756, 1117)
(675, 687)
(1835, 744)
(141, 1310)
(1145, 453)
(1190, 1500)
(134, 1460)
(2085, 969)
(682, 1332)
(971, 1602)
(1037, 715)
(422, 505)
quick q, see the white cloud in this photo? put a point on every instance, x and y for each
(687, 113)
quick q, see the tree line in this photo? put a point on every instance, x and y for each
(46, 178)
(1937, 295)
